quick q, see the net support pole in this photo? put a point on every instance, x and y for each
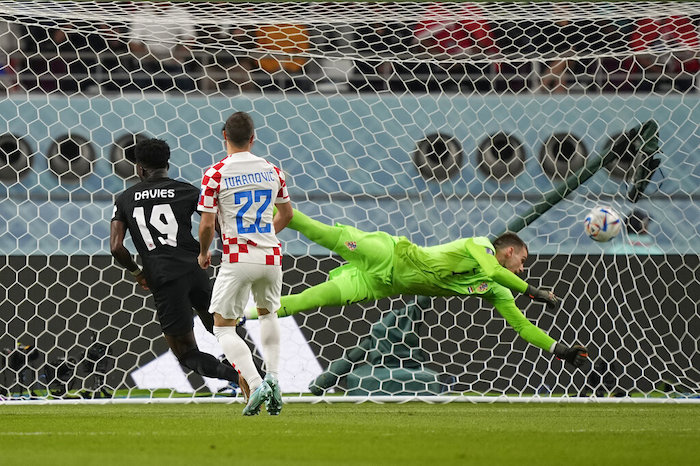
(552, 197)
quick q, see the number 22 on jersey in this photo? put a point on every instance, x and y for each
(262, 199)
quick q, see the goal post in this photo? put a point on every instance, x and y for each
(433, 121)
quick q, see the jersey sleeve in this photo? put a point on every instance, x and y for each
(282, 194)
(118, 210)
(484, 253)
(526, 329)
(209, 192)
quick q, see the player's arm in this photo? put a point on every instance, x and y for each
(526, 329)
(208, 206)
(117, 232)
(283, 212)
(576, 355)
(217, 225)
(501, 275)
(207, 228)
(283, 215)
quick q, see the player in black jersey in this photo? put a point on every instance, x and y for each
(157, 212)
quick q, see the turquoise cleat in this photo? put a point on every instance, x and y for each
(257, 398)
(273, 405)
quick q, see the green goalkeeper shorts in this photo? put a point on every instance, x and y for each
(371, 263)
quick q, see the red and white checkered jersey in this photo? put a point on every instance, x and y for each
(242, 189)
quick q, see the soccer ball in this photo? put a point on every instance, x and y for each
(602, 224)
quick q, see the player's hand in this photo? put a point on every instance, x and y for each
(542, 296)
(204, 260)
(575, 355)
(141, 280)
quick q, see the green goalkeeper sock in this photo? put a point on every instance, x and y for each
(325, 294)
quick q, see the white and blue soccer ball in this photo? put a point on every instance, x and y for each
(602, 224)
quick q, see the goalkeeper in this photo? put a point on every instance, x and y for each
(381, 265)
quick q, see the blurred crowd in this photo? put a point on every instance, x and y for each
(158, 53)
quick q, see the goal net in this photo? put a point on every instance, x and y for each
(424, 120)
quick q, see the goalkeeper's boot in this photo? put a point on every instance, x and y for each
(274, 403)
(257, 398)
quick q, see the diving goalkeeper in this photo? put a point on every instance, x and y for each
(381, 265)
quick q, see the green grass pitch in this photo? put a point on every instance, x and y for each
(351, 434)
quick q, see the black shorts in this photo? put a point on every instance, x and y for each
(176, 298)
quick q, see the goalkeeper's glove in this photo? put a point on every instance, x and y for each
(542, 296)
(575, 355)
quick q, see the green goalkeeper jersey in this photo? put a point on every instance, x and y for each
(464, 267)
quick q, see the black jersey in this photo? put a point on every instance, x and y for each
(158, 215)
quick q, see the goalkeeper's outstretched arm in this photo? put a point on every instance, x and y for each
(575, 355)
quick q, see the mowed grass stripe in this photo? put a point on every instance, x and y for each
(351, 434)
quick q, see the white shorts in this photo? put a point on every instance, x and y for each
(235, 283)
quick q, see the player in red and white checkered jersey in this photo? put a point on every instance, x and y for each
(241, 192)
(242, 189)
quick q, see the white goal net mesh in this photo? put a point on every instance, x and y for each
(424, 120)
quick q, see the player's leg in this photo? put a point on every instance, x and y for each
(320, 233)
(185, 349)
(322, 295)
(346, 285)
(368, 251)
(200, 288)
(237, 351)
(206, 318)
(372, 253)
(270, 342)
(229, 298)
(266, 290)
(200, 298)
(174, 311)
